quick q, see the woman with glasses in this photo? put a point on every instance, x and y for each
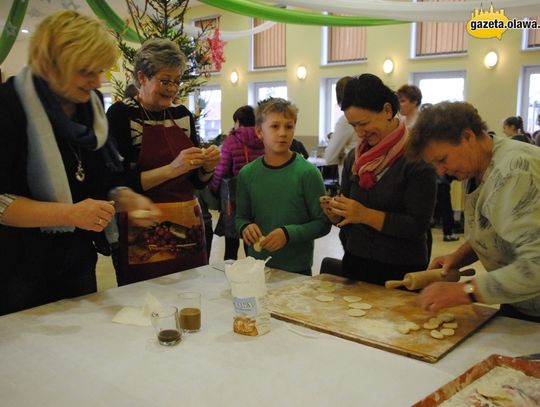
(55, 169)
(164, 161)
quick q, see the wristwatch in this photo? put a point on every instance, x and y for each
(469, 290)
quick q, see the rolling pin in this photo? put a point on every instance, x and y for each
(421, 279)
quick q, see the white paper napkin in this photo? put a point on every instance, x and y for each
(139, 316)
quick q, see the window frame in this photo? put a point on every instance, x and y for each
(325, 50)
(192, 107)
(255, 86)
(523, 98)
(416, 77)
(252, 67)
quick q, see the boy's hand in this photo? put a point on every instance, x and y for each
(251, 234)
(275, 240)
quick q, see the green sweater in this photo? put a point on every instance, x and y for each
(285, 196)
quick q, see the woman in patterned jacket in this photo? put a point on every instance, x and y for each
(502, 210)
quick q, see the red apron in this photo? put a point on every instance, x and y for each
(177, 242)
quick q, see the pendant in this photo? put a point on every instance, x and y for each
(79, 174)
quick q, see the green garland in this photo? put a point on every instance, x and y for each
(12, 27)
(102, 10)
(267, 12)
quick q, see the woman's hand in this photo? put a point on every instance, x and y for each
(251, 234)
(325, 206)
(350, 210)
(188, 160)
(91, 214)
(212, 156)
(275, 240)
(142, 210)
(442, 295)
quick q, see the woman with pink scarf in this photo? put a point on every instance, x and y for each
(387, 201)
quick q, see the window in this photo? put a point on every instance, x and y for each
(207, 23)
(533, 36)
(346, 44)
(264, 90)
(440, 38)
(440, 86)
(332, 112)
(530, 98)
(206, 105)
(269, 46)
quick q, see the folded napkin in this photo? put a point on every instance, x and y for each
(139, 316)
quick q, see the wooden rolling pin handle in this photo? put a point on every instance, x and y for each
(393, 283)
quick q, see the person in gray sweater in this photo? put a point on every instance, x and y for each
(502, 210)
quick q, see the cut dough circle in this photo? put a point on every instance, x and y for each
(446, 317)
(436, 334)
(447, 332)
(327, 284)
(352, 298)
(450, 325)
(404, 329)
(326, 289)
(356, 312)
(430, 325)
(257, 245)
(360, 305)
(412, 326)
(324, 298)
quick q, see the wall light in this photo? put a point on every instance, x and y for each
(301, 72)
(234, 77)
(388, 66)
(491, 59)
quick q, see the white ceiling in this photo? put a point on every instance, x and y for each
(37, 9)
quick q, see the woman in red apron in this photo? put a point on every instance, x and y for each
(164, 162)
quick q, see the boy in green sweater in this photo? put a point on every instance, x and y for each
(278, 212)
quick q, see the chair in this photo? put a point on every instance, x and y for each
(329, 265)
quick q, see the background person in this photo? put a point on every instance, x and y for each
(343, 137)
(164, 162)
(54, 173)
(410, 99)
(239, 148)
(387, 200)
(502, 210)
(513, 128)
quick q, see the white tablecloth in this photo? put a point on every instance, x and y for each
(70, 353)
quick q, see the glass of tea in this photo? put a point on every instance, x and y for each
(166, 324)
(190, 311)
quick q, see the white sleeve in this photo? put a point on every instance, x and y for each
(343, 134)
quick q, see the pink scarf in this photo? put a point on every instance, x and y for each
(372, 161)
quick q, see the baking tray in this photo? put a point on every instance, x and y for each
(529, 367)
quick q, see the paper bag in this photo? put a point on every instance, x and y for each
(250, 299)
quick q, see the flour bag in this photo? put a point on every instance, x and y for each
(250, 299)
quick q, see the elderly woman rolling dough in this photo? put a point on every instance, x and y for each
(502, 210)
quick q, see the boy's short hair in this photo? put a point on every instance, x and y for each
(275, 105)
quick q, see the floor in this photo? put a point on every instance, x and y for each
(327, 246)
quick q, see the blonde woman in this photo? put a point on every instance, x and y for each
(54, 173)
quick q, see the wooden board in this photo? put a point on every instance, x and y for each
(529, 367)
(391, 309)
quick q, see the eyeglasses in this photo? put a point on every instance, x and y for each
(166, 83)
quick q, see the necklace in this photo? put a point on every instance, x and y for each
(80, 175)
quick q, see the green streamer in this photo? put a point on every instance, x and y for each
(102, 10)
(267, 12)
(12, 27)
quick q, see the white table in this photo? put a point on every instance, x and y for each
(69, 353)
